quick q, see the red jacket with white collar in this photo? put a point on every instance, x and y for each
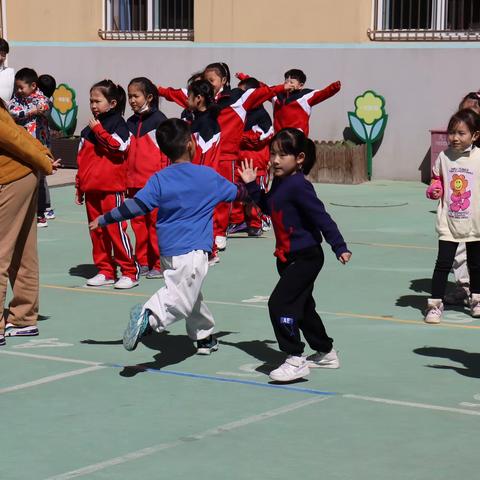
(234, 106)
(144, 158)
(255, 144)
(294, 109)
(102, 154)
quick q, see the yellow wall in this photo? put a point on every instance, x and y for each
(54, 20)
(272, 21)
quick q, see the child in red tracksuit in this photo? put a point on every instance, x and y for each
(144, 159)
(102, 180)
(234, 105)
(201, 114)
(246, 216)
(292, 108)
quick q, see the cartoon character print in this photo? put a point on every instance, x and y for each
(460, 194)
(36, 125)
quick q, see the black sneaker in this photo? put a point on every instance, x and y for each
(255, 232)
(207, 345)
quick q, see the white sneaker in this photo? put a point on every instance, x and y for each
(50, 214)
(124, 283)
(99, 280)
(475, 305)
(324, 360)
(213, 260)
(434, 311)
(221, 242)
(293, 368)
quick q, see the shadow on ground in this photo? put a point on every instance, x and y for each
(85, 270)
(470, 361)
(261, 350)
(173, 349)
(419, 302)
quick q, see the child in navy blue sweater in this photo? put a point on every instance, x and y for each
(299, 220)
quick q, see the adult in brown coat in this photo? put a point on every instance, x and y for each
(21, 159)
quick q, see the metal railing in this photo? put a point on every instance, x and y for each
(426, 20)
(148, 20)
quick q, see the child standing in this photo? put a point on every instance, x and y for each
(292, 108)
(234, 105)
(456, 184)
(254, 146)
(144, 158)
(102, 180)
(47, 84)
(461, 293)
(185, 195)
(299, 220)
(7, 74)
(30, 108)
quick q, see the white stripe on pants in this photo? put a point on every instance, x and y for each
(181, 297)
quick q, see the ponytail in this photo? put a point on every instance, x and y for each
(111, 91)
(310, 156)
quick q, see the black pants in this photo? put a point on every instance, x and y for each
(443, 265)
(292, 307)
(43, 195)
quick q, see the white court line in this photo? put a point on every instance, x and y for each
(49, 357)
(412, 404)
(51, 378)
(387, 401)
(145, 452)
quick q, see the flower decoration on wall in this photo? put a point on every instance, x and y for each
(64, 110)
(368, 122)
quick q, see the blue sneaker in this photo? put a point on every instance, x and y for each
(137, 327)
(237, 228)
(12, 331)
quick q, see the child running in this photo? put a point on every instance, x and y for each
(102, 180)
(299, 220)
(185, 195)
(456, 179)
(143, 160)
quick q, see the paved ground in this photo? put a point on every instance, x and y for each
(405, 403)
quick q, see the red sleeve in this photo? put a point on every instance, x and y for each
(261, 95)
(111, 142)
(177, 95)
(164, 161)
(321, 95)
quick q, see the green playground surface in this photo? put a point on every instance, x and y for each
(405, 403)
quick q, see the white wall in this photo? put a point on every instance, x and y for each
(422, 84)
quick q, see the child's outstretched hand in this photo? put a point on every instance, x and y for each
(94, 224)
(247, 172)
(344, 257)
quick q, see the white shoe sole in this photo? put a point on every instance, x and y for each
(107, 282)
(316, 365)
(300, 374)
(126, 287)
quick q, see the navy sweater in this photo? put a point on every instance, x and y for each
(299, 217)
